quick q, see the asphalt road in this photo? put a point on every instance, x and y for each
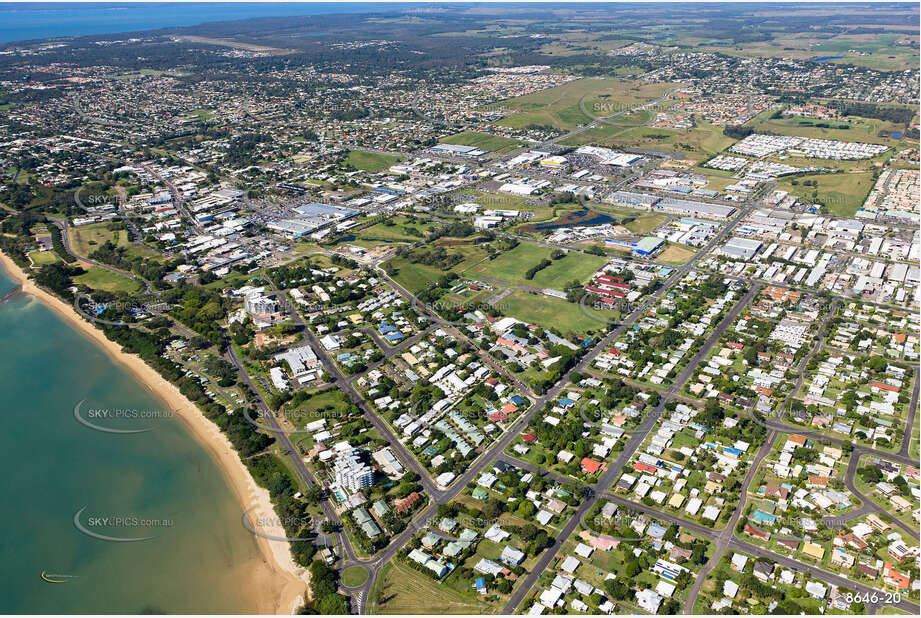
(613, 471)
(438, 495)
(65, 240)
(291, 451)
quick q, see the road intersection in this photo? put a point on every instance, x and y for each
(723, 538)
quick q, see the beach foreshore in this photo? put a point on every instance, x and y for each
(279, 584)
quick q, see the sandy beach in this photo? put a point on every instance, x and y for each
(278, 582)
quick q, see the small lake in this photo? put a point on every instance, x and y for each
(352, 238)
(575, 219)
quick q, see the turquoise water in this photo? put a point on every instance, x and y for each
(201, 555)
(24, 21)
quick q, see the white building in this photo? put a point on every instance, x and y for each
(648, 600)
(350, 472)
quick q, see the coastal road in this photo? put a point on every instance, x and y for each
(65, 240)
(291, 451)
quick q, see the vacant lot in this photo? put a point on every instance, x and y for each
(882, 54)
(854, 129)
(574, 266)
(675, 254)
(842, 194)
(396, 229)
(87, 238)
(401, 590)
(483, 141)
(548, 312)
(416, 277)
(370, 161)
(511, 267)
(580, 102)
(645, 223)
(698, 143)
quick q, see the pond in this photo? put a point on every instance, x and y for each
(573, 219)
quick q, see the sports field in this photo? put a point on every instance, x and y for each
(43, 258)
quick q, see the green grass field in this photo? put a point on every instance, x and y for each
(43, 258)
(354, 576)
(330, 403)
(548, 312)
(699, 143)
(842, 194)
(512, 265)
(401, 590)
(102, 279)
(396, 229)
(416, 277)
(370, 161)
(579, 102)
(483, 141)
(645, 223)
(574, 266)
(87, 238)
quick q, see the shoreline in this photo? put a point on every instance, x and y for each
(280, 584)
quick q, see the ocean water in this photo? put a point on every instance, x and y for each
(20, 21)
(200, 556)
